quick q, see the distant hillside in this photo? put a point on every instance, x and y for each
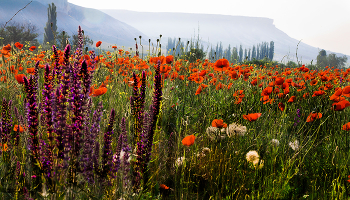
(233, 30)
(96, 24)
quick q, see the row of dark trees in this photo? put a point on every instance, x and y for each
(195, 50)
(234, 55)
(22, 33)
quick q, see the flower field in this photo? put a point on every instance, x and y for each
(78, 124)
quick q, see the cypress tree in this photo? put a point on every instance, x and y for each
(272, 50)
(51, 25)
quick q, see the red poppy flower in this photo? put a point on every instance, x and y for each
(346, 127)
(18, 127)
(313, 82)
(281, 106)
(291, 99)
(114, 47)
(267, 91)
(31, 70)
(98, 92)
(254, 81)
(163, 187)
(188, 140)
(19, 45)
(199, 90)
(252, 117)
(313, 116)
(219, 123)
(318, 93)
(202, 73)
(221, 65)
(279, 81)
(169, 59)
(32, 48)
(346, 91)
(20, 78)
(98, 43)
(341, 105)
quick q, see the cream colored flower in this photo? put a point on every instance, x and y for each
(257, 165)
(275, 142)
(252, 156)
(294, 145)
(235, 129)
(206, 150)
(179, 161)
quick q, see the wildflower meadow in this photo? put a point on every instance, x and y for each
(111, 124)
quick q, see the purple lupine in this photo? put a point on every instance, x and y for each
(6, 122)
(32, 115)
(116, 158)
(26, 194)
(60, 118)
(154, 111)
(95, 129)
(47, 104)
(126, 149)
(76, 106)
(107, 151)
(57, 67)
(86, 79)
(66, 57)
(79, 51)
(137, 102)
(18, 171)
(297, 117)
(139, 168)
(86, 157)
(92, 57)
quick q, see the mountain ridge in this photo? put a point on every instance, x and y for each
(233, 30)
(69, 17)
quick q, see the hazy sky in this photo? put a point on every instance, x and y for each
(320, 23)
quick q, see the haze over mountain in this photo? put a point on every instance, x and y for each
(233, 30)
(120, 27)
(96, 24)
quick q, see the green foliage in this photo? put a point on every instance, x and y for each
(75, 40)
(63, 39)
(331, 60)
(195, 54)
(21, 33)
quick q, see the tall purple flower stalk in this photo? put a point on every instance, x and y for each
(107, 150)
(141, 154)
(60, 119)
(144, 145)
(57, 67)
(137, 101)
(87, 154)
(154, 111)
(48, 101)
(6, 121)
(32, 115)
(126, 149)
(297, 118)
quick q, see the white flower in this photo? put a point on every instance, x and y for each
(294, 145)
(252, 156)
(179, 161)
(275, 142)
(235, 129)
(206, 150)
